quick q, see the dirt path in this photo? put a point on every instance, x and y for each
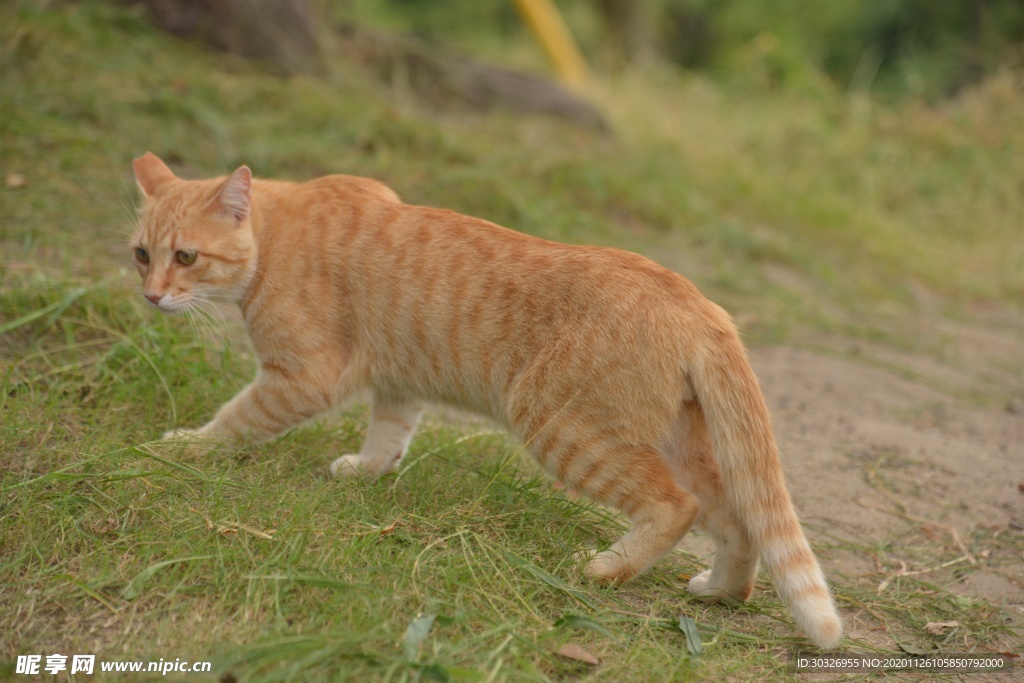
(876, 460)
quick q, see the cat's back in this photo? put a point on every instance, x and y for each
(450, 259)
(367, 235)
(365, 188)
(545, 268)
(325, 213)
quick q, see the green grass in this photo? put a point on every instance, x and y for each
(283, 569)
(806, 213)
(117, 544)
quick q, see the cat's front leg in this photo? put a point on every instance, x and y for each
(392, 423)
(181, 434)
(271, 405)
(194, 441)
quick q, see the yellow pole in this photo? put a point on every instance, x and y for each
(551, 32)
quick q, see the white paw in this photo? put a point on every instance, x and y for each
(609, 567)
(180, 434)
(699, 584)
(701, 588)
(194, 441)
(352, 465)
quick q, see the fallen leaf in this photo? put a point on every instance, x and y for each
(15, 180)
(577, 653)
(415, 634)
(937, 628)
(689, 628)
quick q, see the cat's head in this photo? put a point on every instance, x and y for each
(194, 240)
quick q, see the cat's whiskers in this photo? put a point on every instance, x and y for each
(215, 327)
(216, 298)
(187, 310)
(134, 213)
(198, 311)
(131, 213)
(204, 327)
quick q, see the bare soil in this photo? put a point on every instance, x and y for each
(904, 463)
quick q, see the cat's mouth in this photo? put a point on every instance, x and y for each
(170, 305)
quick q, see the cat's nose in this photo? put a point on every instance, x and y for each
(154, 298)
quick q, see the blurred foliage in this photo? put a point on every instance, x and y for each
(893, 48)
(916, 47)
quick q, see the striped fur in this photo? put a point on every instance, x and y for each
(621, 378)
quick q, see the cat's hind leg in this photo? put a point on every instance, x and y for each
(631, 478)
(392, 423)
(660, 514)
(567, 408)
(731, 576)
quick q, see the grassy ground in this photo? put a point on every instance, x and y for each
(811, 214)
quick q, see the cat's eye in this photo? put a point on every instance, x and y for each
(186, 258)
(142, 255)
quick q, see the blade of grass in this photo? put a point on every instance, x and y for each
(551, 580)
(90, 592)
(182, 467)
(135, 586)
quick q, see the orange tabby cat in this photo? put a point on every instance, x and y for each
(622, 379)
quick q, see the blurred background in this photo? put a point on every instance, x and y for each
(827, 167)
(891, 48)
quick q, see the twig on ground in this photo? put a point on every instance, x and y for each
(228, 526)
(951, 530)
(903, 571)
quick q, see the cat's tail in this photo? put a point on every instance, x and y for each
(745, 448)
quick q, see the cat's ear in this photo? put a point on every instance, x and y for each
(235, 196)
(151, 173)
